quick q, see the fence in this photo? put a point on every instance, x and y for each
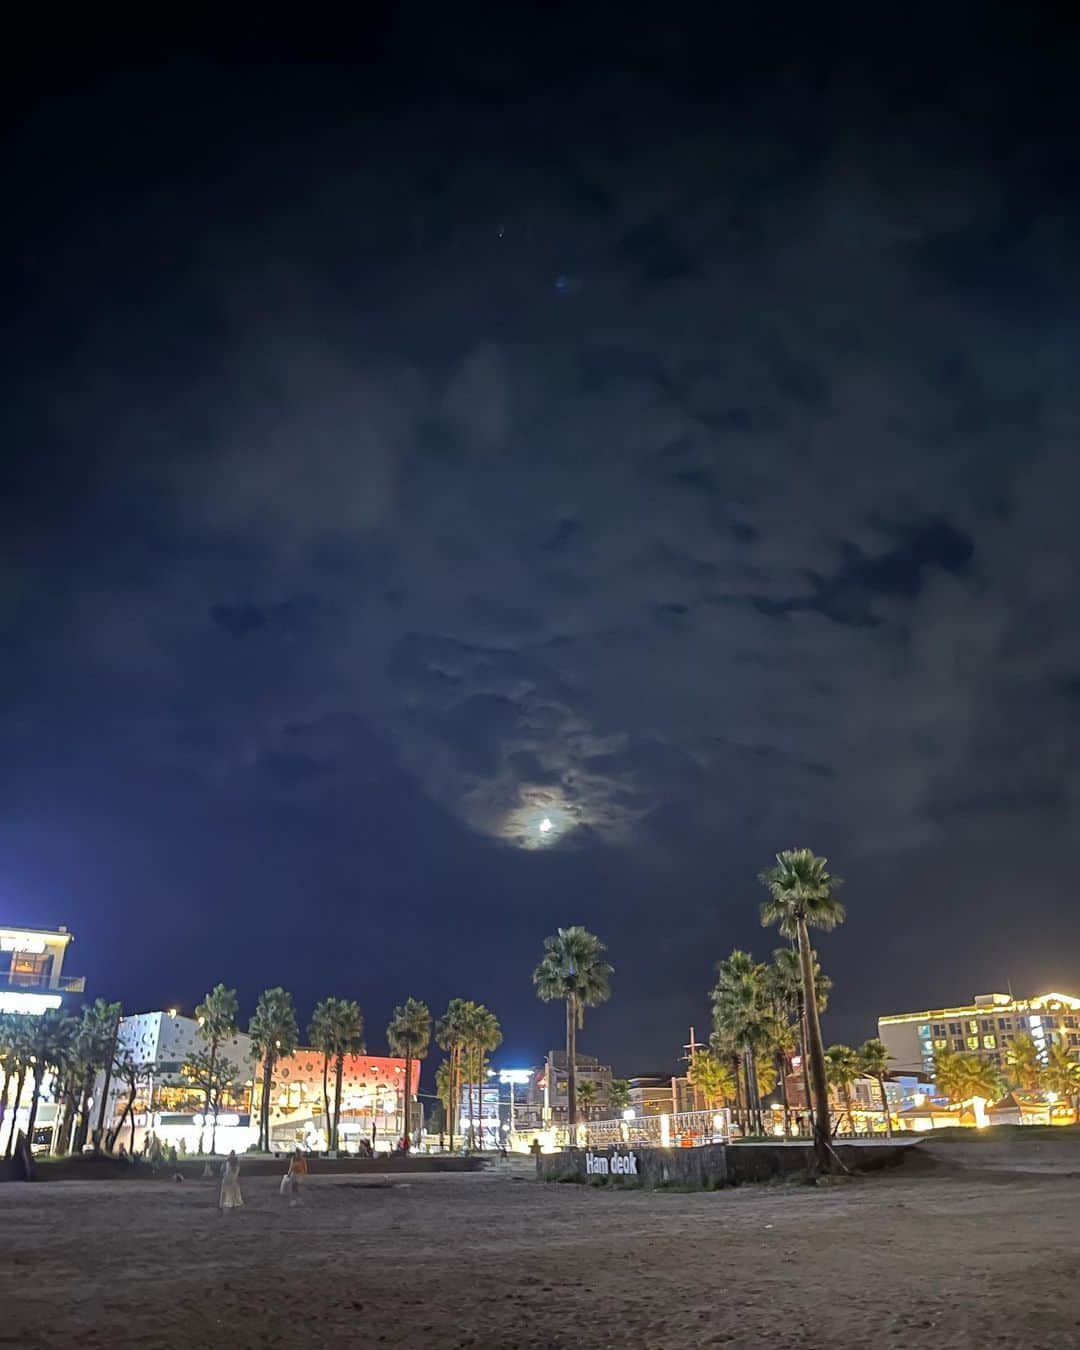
(684, 1129)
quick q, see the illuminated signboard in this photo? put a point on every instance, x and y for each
(21, 942)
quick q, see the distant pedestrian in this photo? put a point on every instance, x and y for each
(230, 1184)
(298, 1169)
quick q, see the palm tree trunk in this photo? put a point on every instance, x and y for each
(781, 1069)
(885, 1105)
(39, 1074)
(571, 1070)
(8, 1075)
(339, 1073)
(451, 1114)
(19, 1085)
(264, 1105)
(326, 1098)
(406, 1133)
(822, 1130)
(805, 1041)
(735, 1062)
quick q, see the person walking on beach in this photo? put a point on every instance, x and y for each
(230, 1184)
(297, 1169)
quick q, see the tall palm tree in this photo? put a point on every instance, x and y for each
(273, 1033)
(1061, 1076)
(801, 897)
(574, 971)
(482, 1035)
(784, 979)
(216, 1016)
(12, 1060)
(842, 1068)
(742, 1018)
(90, 1048)
(712, 1077)
(49, 1040)
(409, 1034)
(336, 1030)
(450, 1036)
(1023, 1063)
(874, 1062)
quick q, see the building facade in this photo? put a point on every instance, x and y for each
(986, 1027)
(32, 978)
(170, 1106)
(544, 1099)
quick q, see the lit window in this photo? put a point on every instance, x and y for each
(941, 1044)
(989, 1042)
(973, 1024)
(973, 1042)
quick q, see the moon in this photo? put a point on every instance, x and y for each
(546, 826)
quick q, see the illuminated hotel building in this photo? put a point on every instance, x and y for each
(171, 1107)
(985, 1027)
(31, 971)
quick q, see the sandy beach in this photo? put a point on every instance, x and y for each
(916, 1257)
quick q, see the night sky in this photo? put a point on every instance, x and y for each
(661, 426)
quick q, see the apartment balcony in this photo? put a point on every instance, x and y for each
(61, 984)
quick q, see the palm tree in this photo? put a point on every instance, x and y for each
(409, 1034)
(216, 1016)
(1023, 1062)
(336, 1030)
(742, 1019)
(800, 898)
(13, 1060)
(450, 1036)
(273, 1033)
(784, 981)
(841, 1069)
(586, 1094)
(874, 1062)
(619, 1095)
(91, 1048)
(482, 1035)
(960, 1077)
(1062, 1076)
(712, 1077)
(132, 1073)
(49, 1041)
(573, 970)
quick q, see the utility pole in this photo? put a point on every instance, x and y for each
(688, 1059)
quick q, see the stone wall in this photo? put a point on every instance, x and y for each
(706, 1167)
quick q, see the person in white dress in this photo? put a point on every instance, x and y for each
(230, 1184)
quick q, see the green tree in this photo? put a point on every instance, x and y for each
(409, 1034)
(132, 1073)
(587, 1094)
(211, 1074)
(960, 1077)
(619, 1095)
(743, 1019)
(89, 1050)
(713, 1078)
(336, 1031)
(216, 1016)
(15, 1059)
(841, 1070)
(482, 1035)
(573, 971)
(450, 1036)
(874, 1062)
(273, 1033)
(1023, 1063)
(1061, 1076)
(49, 1041)
(801, 897)
(784, 981)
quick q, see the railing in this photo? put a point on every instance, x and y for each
(684, 1129)
(62, 984)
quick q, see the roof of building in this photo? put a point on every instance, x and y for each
(1037, 1001)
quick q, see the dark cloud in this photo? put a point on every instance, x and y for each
(758, 530)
